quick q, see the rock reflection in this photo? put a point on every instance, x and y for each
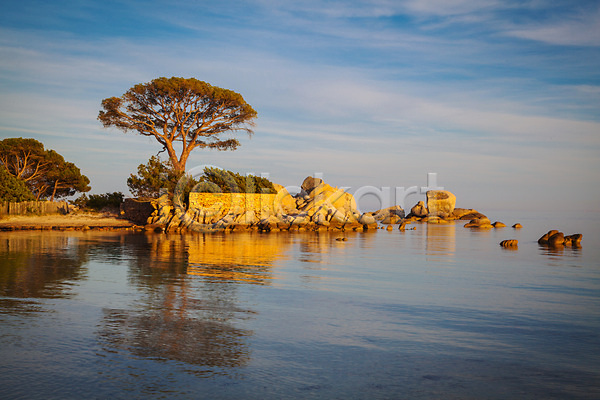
(441, 241)
(560, 251)
(241, 257)
(39, 265)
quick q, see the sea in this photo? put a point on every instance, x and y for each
(434, 312)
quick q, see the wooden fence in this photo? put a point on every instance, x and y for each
(33, 207)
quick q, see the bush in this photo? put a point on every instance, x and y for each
(215, 180)
(98, 202)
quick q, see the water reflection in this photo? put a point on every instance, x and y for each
(188, 310)
(246, 257)
(178, 325)
(440, 241)
(39, 265)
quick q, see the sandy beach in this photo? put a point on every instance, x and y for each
(62, 222)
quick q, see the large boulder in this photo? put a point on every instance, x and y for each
(284, 202)
(440, 203)
(419, 210)
(310, 183)
(317, 195)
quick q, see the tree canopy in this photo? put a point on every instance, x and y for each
(181, 114)
(44, 172)
(13, 189)
(153, 177)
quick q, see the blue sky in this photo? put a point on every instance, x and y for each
(500, 98)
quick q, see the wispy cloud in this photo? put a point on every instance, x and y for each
(373, 92)
(580, 29)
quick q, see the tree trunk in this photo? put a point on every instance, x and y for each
(54, 191)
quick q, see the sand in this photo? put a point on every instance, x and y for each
(73, 220)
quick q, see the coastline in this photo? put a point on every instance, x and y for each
(84, 221)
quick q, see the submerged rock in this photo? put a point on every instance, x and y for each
(466, 214)
(480, 223)
(509, 243)
(555, 238)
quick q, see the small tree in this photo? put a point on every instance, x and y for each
(152, 178)
(61, 180)
(180, 112)
(45, 172)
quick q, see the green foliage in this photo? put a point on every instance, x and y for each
(178, 110)
(25, 159)
(98, 202)
(153, 179)
(45, 172)
(215, 180)
(13, 189)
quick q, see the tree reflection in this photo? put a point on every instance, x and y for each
(189, 309)
(39, 265)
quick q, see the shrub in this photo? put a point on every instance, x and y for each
(215, 180)
(98, 202)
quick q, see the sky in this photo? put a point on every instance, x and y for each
(499, 98)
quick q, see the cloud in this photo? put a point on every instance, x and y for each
(580, 29)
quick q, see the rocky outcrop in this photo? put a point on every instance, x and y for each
(440, 203)
(318, 206)
(555, 238)
(390, 215)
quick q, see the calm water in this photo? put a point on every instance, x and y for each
(436, 312)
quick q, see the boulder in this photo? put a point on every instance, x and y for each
(517, 226)
(498, 224)
(557, 239)
(509, 243)
(367, 219)
(419, 210)
(440, 203)
(310, 183)
(390, 215)
(546, 236)
(480, 223)
(284, 202)
(466, 213)
(573, 240)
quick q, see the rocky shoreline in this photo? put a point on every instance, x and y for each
(318, 207)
